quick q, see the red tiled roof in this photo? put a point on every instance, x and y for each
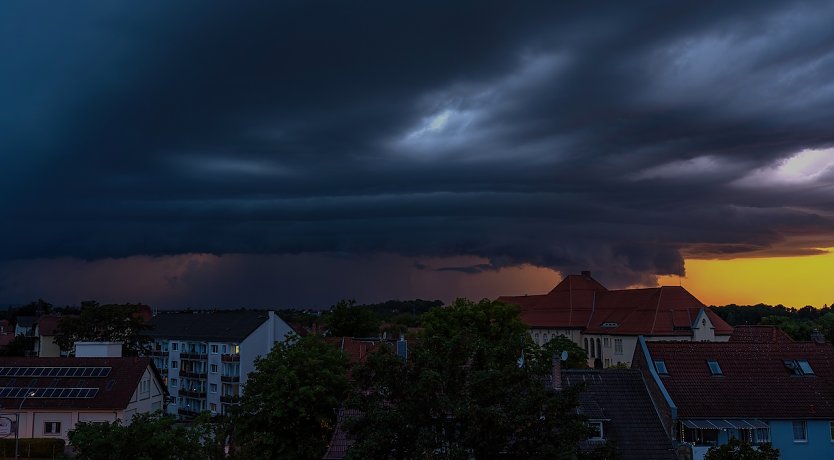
(755, 381)
(114, 390)
(47, 324)
(581, 302)
(759, 334)
(356, 349)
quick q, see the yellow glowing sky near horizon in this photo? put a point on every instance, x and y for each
(791, 281)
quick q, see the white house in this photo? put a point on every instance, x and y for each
(51, 395)
(206, 357)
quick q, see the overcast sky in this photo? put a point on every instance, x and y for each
(294, 153)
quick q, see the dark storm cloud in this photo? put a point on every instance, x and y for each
(616, 138)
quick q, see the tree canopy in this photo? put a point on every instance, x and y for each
(148, 437)
(346, 319)
(464, 391)
(291, 400)
(105, 323)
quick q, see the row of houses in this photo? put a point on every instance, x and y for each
(198, 362)
(691, 377)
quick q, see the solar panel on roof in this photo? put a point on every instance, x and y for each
(64, 371)
(69, 393)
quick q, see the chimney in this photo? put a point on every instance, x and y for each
(556, 374)
(817, 336)
(586, 273)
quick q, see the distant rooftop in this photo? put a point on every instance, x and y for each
(215, 326)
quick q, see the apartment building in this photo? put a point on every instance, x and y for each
(206, 357)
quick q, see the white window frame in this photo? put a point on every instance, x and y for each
(215, 349)
(174, 365)
(213, 387)
(804, 423)
(618, 346)
(214, 368)
(175, 346)
(51, 424)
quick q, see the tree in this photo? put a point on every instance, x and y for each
(290, 404)
(464, 393)
(345, 319)
(149, 436)
(105, 323)
(742, 450)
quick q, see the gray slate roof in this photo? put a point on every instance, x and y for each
(620, 397)
(221, 326)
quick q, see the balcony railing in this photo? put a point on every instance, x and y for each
(192, 374)
(188, 412)
(228, 399)
(230, 378)
(230, 358)
(193, 393)
(194, 356)
(159, 353)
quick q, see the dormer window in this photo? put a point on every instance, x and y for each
(805, 367)
(596, 431)
(610, 324)
(660, 365)
(714, 368)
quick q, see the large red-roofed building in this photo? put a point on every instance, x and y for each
(606, 323)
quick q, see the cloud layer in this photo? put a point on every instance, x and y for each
(616, 138)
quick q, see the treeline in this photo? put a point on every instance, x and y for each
(799, 323)
(347, 318)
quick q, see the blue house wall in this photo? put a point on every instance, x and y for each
(818, 446)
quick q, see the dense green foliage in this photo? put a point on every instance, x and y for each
(105, 323)
(149, 436)
(346, 319)
(798, 323)
(742, 450)
(463, 393)
(291, 400)
(33, 447)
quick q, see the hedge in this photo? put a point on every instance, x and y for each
(33, 447)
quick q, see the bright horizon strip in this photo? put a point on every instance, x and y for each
(791, 281)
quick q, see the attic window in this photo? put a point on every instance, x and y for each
(799, 367)
(610, 324)
(660, 365)
(714, 367)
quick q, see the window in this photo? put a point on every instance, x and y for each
(805, 367)
(213, 387)
(175, 346)
(213, 407)
(618, 346)
(214, 349)
(236, 349)
(586, 346)
(606, 342)
(800, 431)
(761, 435)
(799, 367)
(174, 364)
(599, 348)
(714, 368)
(660, 365)
(213, 368)
(593, 353)
(53, 428)
(174, 382)
(607, 362)
(596, 431)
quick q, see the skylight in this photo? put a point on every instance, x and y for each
(799, 367)
(714, 367)
(660, 365)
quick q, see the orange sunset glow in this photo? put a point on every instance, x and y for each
(791, 281)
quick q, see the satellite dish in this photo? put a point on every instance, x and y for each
(564, 356)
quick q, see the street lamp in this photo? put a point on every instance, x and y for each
(17, 424)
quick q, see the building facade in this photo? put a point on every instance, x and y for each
(760, 386)
(205, 358)
(49, 396)
(607, 323)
